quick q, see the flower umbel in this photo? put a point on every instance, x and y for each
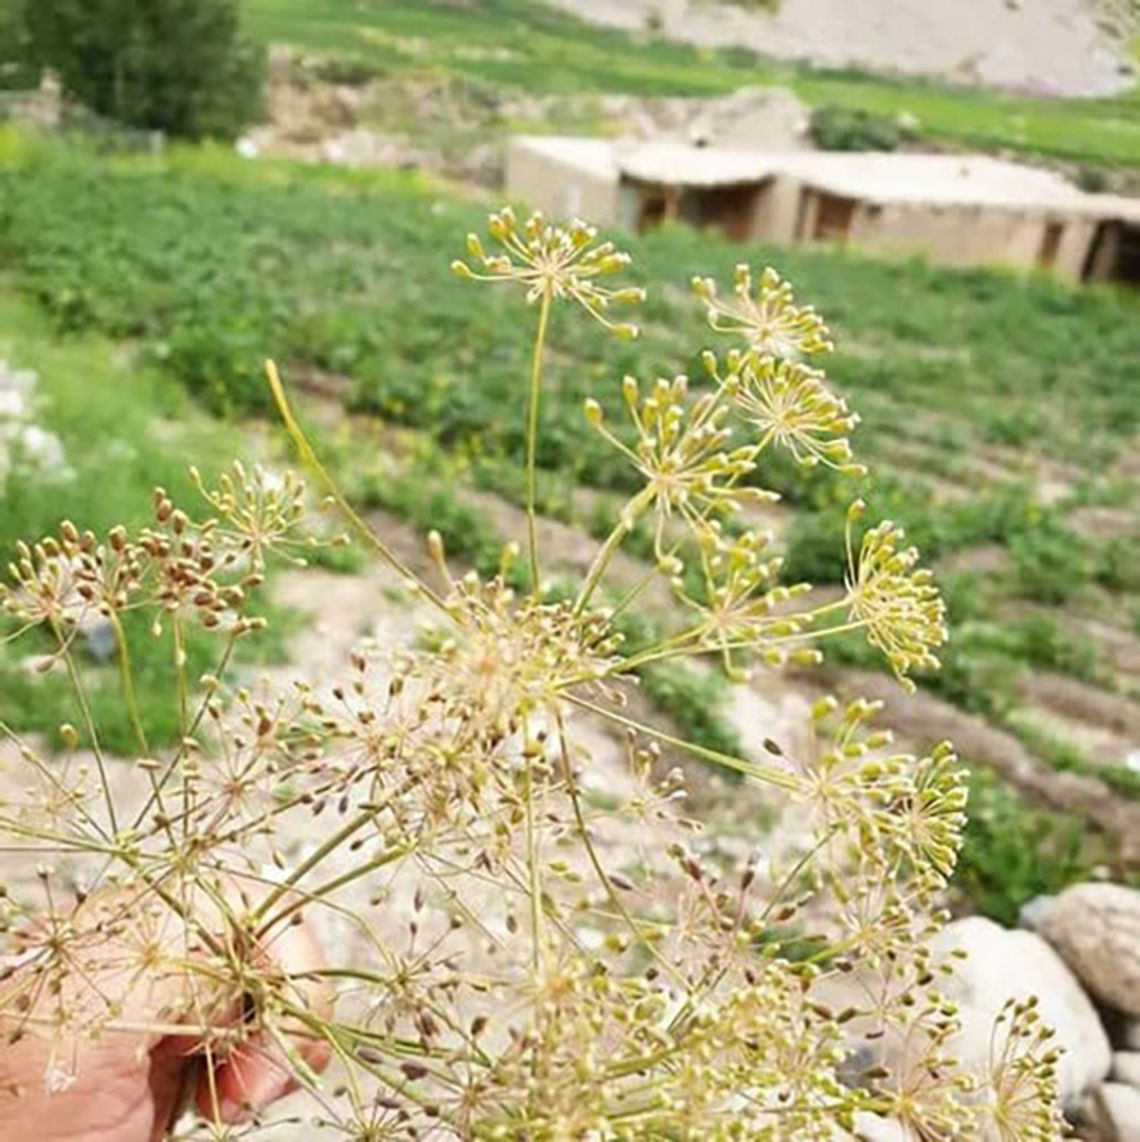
(1020, 1102)
(769, 320)
(561, 262)
(899, 605)
(791, 404)
(529, 933)
(682, 450)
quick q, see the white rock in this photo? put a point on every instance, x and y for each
(1096, 929)
(1121, 1105)
(1005, 965)
(873, 1128)
(1126, 1067)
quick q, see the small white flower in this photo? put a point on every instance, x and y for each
(58, 1079)
(12, 403)
(42, 448)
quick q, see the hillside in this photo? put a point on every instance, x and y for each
(1051, 47)
(493, 50)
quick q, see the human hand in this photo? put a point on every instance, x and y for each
(130, 1083)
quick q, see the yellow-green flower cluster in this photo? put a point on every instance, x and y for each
(743, 603)
(556, 262)
(768, 319)
(790, 404)
(895, 601)
(682, 451)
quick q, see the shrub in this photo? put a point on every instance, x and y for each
(1049, 560)
(1118, 564)
(17, 72)
(837, 128)
(522, 977)
(1013, 852)
(178, 66)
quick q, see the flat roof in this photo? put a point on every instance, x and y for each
(688, 165)
(877, 177)
(948, 180)
(594, 156)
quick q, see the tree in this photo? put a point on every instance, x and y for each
(180, 66)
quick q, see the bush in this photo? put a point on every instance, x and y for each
(1013, 852)
(1118, 564)
(16, 70)
(1049, 560)
(835, 128)
(178, 66)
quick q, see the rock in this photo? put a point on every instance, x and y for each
(767, 118)
(1126, 1067)
(1032, 912)
(99, 640)
(1130, 1035)
(1096, 930)
(1121, 1106)
(872, 1128)
(1002, 965)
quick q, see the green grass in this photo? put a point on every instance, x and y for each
(526, 44)
(124, 429)
(1014, 852)
(209, 264)
(202, 264)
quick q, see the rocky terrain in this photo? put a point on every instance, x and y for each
(1054, 47)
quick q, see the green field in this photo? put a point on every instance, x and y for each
(525, 44)
(148, 291)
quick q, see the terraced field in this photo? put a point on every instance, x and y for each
(1000, 415)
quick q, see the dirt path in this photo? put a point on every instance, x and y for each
(923, 719)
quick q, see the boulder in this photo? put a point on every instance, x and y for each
(1096, 930)
(873, 1128)
(1130, 1035)
(1120, 1105)
(1126, 1067)
(1003, 965)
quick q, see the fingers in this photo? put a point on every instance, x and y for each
(252, 1076)
(259, 1071)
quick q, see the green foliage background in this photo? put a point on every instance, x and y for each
(179, 66)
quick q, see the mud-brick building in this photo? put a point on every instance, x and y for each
(952, 209)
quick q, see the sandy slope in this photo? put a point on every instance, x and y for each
(1047, 46)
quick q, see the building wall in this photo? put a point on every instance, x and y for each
(777, 210)
(952, 235)
(559, 188)
(790, 213)
(1080, 233)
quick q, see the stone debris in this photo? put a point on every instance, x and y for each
(1096, 930)
(1001, 965)
(24, 445)
(1126, 1067)
(1120, 1107)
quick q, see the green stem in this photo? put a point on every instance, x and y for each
(303, 899)
(532, 438)
(89, 723)
(596, 860)
(311, 460)
(609, 549)
(535, 882)
(128, 677)
(769, 774)
(315, 858)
